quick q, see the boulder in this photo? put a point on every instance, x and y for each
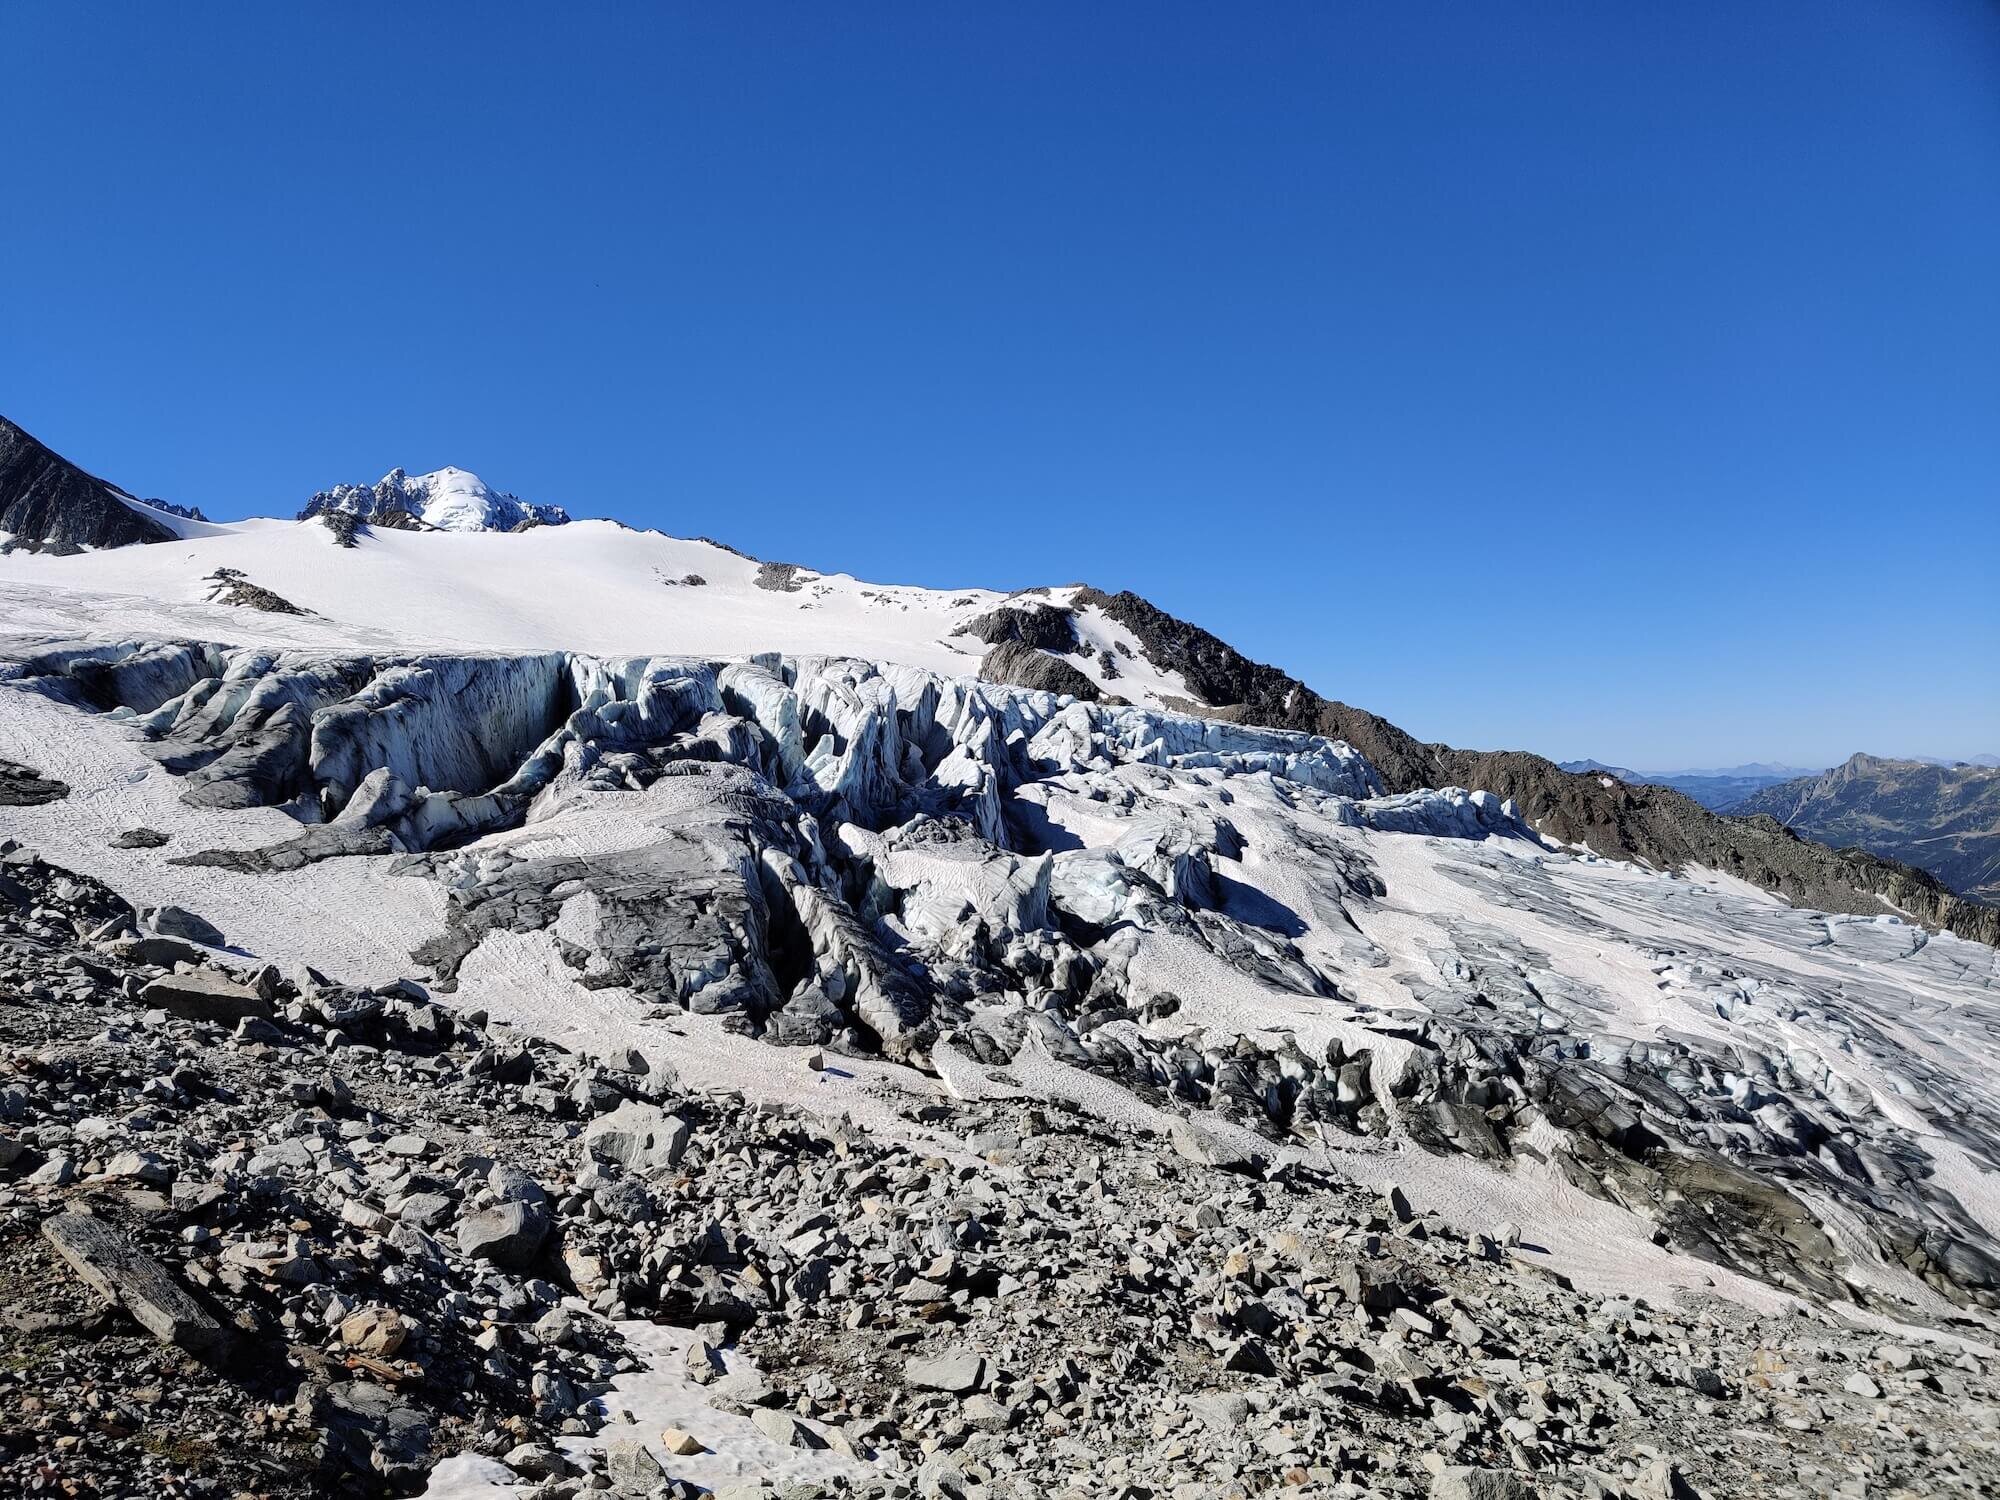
(638, 1137)
(959, 1373)
(508, 1234)
(1463, 1482)
(361, 1427)
(179, 922)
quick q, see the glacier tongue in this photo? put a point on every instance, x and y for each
(877, 859)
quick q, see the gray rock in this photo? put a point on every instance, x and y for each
(631, 1467)
(508, 1234)
(512, 1185)
(141, 1166)
(783, 1427)
(204, 995)
(704, 1365)
(24, 786)
(426, 1210)
(1194, 1143)
(958, 1373)
(1463, 1482)
(1225, 1411)
(363, 1426)
(179, 922)
(160, 952)
(639, 1137)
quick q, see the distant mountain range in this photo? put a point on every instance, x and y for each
(1719, 790)
(1945, 819)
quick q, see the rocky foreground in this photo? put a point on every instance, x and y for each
(264, 1233)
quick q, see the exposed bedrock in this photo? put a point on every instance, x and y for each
(1047, 627)
(1015, 663)
(829, 852)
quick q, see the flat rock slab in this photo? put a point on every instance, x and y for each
(958, 1374)
(203, 996)
(1203, 1147)
(162, 952)
(123, 1274)
(179, 922)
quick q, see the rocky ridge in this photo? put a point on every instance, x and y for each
(48, 504)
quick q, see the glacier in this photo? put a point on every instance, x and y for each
(937, 878)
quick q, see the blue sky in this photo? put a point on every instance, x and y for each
(1608, 380)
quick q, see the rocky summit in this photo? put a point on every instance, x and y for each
(588, 1012)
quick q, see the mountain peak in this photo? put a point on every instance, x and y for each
(47, 503)
(446, 499)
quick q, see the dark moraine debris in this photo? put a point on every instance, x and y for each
(229, 586)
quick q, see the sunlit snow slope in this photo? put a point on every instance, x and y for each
(588, 586)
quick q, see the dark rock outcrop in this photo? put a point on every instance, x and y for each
(1017, 664)
(779, 577)
(229, 586)
(47, 501)
(24, 786)
(1047, 628)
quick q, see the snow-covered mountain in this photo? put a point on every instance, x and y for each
(448, 499)
(628, 796)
